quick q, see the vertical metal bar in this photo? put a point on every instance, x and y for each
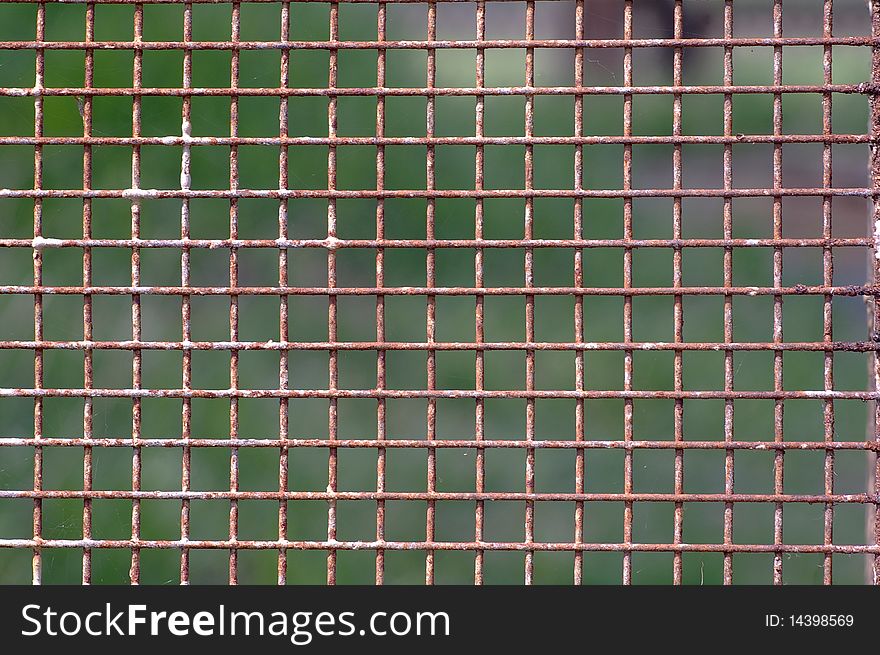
(727, 219)
(88, 360)
(677, 311)
(479, 417)
(185, 308)
(579, 372)
(828, 280)
(331, 300)
(873, 527)
(283, 300)
(380, 300)
(528, 233)
(233, 297)
(39, 73)
(627, 300)
(137, 355)
(778, 407)
(430, 321)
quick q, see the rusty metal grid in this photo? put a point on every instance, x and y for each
(288, 440)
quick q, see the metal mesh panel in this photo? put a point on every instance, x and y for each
(509, 284)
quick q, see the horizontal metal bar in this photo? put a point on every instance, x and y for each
(43, 242)
(271, 345)
(514, 496)
(196, 544)
(686, 139)
(409, 443)
(244, 2)
(462, 44)
(798, 290)
(539, 546)
(159, 194)
(709, 89)
(561, 394)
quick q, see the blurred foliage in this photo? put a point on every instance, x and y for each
(405, 316)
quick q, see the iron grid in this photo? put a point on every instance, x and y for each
(289, 441)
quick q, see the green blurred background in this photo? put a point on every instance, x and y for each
(504, 316)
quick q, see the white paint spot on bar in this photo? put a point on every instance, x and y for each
(141, 193)
(185, 177)
(42, 242)
(649, 345)
(877, 239)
